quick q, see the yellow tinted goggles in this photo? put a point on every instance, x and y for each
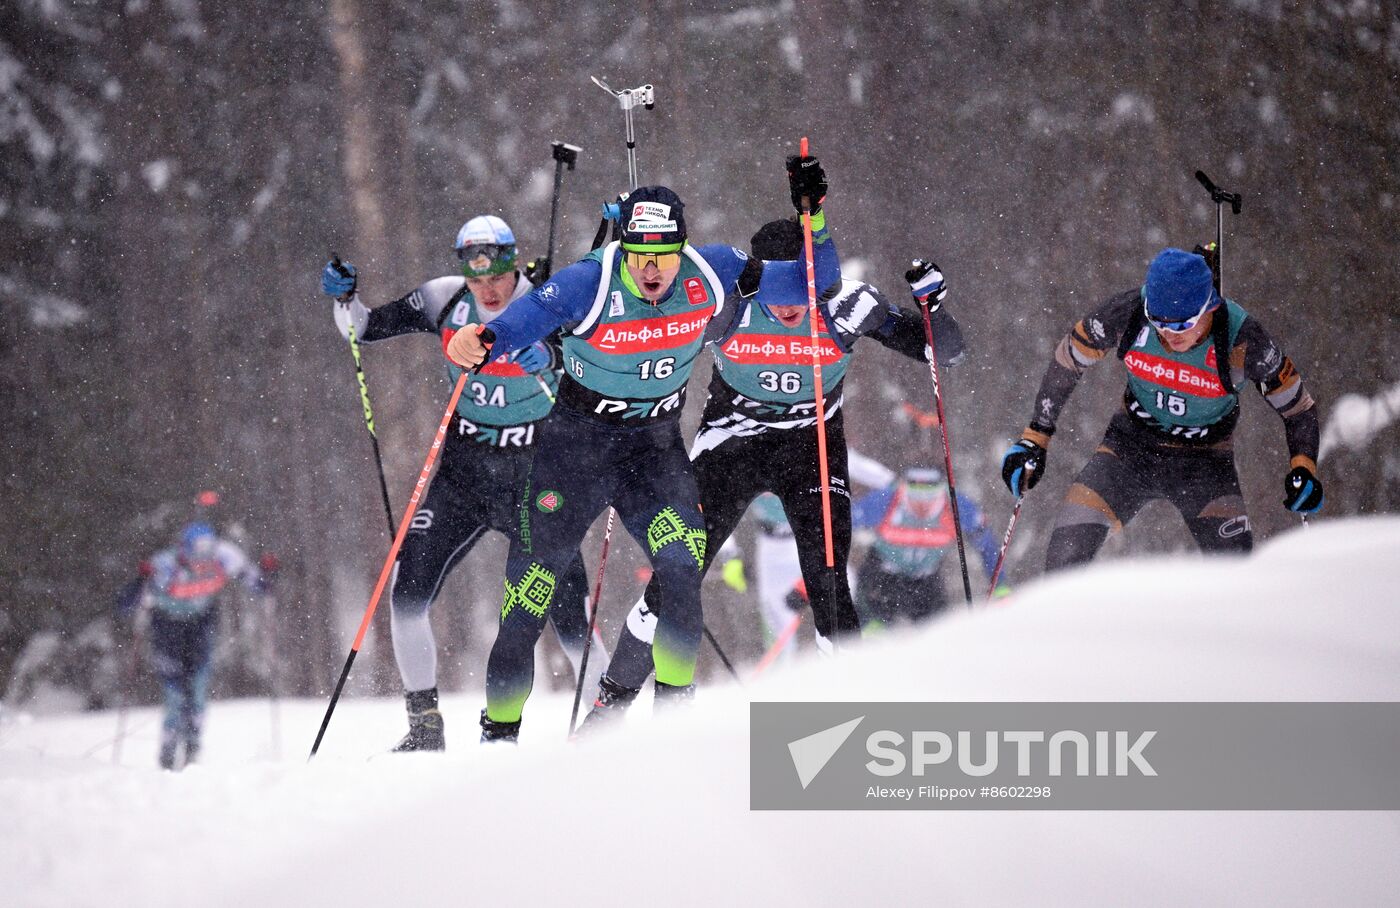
(662, 260)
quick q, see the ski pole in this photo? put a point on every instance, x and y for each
(274, 706)
(364, 398)
(628, 98)
(1005, 546)
(123, 735)
(719, 651)
(565, 155)
(823, 469)
(779, 644)
(947, 448)
(132, 665)
(592, 621)
(393, 554)
(1221, 198)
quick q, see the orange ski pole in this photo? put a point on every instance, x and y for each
(812, 317)
(778, 646)
(393, 554)
(817, 375)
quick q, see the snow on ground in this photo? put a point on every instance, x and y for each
(658, 811)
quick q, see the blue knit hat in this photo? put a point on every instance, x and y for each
(653, 218)
(1178, 286)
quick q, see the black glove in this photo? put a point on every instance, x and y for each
(538, 271)
(926, 282)
(1302, 491)
(1022, 465)
(806, 179)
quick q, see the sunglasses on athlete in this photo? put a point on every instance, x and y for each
(662, 260)
(1184, 325)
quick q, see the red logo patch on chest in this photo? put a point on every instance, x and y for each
(776, 350)
(1176, 376)
(695, 291)
(663, 333)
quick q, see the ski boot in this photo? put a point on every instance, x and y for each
(493, 732)
(609, 706)
(425, 726)
(670, 695)
(168, 744)
(194, 726)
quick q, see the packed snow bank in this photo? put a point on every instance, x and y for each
(658, 811)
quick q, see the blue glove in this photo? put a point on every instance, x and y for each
(926, 282)
(534, 358)
(338, 279)
(1022, 465)
(1302, 491)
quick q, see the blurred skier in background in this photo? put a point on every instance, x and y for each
(485, 460)
(179, 602)
(1188, 352)
(911, 530)
(758, 432)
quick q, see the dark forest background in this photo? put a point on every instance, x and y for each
(173, 175)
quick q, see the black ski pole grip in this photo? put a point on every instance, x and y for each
(565, 153)
(1219, 196)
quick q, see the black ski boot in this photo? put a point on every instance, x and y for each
(168, 743)
(425, 728)
(609, 706)
(669, 695)
(193, 733)
(493, 732)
